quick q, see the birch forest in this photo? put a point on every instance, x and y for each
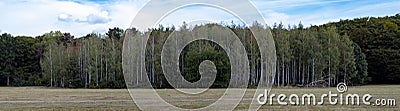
(357, 52)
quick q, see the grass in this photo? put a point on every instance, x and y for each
(42, 98)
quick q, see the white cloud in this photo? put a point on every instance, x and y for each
(196, 14)
(271, 16)
(36, 17)
(389, 8)
(100, 18)
(285, 4)
(92, 19)
(291, 12)
(65, 17)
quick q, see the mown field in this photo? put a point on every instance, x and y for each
(41, 98)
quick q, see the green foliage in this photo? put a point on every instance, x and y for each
(8, 55)
(379, 39)
(27, 71)
(20, 61)
(199, 51)
(361, 76)
(359, 51)
(93, 61)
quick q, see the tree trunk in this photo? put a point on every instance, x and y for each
(114, 60)
(345, 75)
(308, 74)
(313, 71)
(89, 62)
(303, 74)
(287, 73)
(8, 80)
(60, 54)
(283, 70)
(101, 61)
(278, 76)
(51, 67)
(97, 73)
(106, 70)
(329, 72)
(85, 63)
(299, 71)
(152, 61)
(81, 60)
(329, 62)
(294, 73)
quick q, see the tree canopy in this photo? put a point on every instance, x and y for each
(360, 51)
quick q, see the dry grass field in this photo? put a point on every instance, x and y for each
(41, 98)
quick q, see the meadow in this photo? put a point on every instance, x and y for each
(43, 98)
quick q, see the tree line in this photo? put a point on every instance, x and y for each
(379, 39)
(57, 59)
(306, 56)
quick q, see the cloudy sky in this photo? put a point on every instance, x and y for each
(79, 17)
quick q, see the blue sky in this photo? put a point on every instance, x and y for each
(79, 17)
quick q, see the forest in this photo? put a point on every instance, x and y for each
(359, 51)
